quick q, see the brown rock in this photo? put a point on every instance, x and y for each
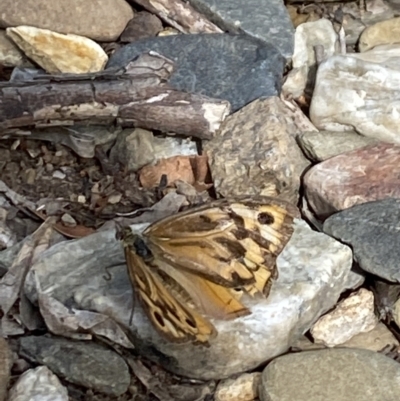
(142, 25)
(10, 55)
(101, 20)
(255, 152)
(352, 178)
(191, 169)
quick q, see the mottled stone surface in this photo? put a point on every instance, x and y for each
(353, 94)
(371, 229)
(267, 20)
(381, 33)
(322, 145)
(81, 362)
(351, 316)
(232, 67)
(360, 176)
(331, 374)
(255, 152)
(38, 384)
(314, 269)
(142, 25)
(101, 20)
(242, 388)
(57, 53)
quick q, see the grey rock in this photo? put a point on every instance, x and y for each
(236, 68)
(331, 374)
(314, 270)
(6, 362)
(83, 363)
(371, 229)
(267, 20)
(323, 145)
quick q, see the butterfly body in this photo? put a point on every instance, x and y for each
(197, 264)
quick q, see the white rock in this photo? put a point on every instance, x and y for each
(59, 53)
(314, 269)
(243, 388)
(354, 94)
(38, 384)
(307, 36)
(353, 315)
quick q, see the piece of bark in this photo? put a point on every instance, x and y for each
(180, 14)
(136, 96)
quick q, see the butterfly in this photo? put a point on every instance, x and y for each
(199, 263)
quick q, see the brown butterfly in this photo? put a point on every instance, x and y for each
(197, 264)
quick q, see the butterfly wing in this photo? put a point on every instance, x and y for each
(233, 243)
(171, 318)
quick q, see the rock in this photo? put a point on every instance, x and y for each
(10, 55)
(58, 53)
(331, 374)
(84, 363)
(396, 313)
(133, 149)
(243, 388)
(142, 25)
(377, 339)
(307, 36)
(350, 317)
(314, 270)
(357, 18)
(255, 152)
(346, 97)
(267, 20)
(38, 384)
(232, 67)
(352, 178)
(6, 362)
(171, 146)
(361, 226)
(101, 20)
(381, 33)
(322, 145)
(386, 294)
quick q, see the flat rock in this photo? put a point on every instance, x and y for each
(352, 178)
(331, 374)
(353, 94)
(84, 363)
(101, 20)
(267, 20)
(381, 33)
(57, 53)
(232, 67)
(322, 145)
(89, 274)
(255, 152)
(38, 384)
(361, 226)
(242, 388)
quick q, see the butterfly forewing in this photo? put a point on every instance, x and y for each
(226, 241)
